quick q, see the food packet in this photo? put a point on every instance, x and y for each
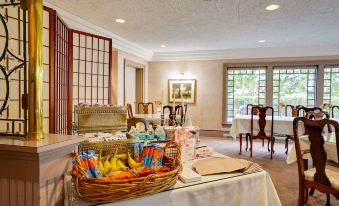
(136, 151)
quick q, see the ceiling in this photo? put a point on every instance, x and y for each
(191, 25)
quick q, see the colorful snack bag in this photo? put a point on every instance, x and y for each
(145, 154)
(92, 167)
(150, 156)
(84, 163)
(158, 156)
(136, 152)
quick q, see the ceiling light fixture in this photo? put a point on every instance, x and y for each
(121, 21)
(163, 46)
(272, 7)
(262, 41)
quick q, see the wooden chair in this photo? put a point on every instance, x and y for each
(310, 113)
(319, 177)
(143, 108)
(129, 111)
(294, 112)
(262, 124)
(333, 108)
(133, 122)
(305, 110)
(172, 115)
(317, 115)
(294, 109)
(256, 112)
(182, 112)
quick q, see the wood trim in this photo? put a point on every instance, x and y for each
(52, 22)
(124, 82)
(136, 65)
(276, 62)
(70, 82)
(110, 89)
(91, 35)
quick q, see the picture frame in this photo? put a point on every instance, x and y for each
(184, 90)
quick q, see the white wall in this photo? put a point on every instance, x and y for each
(207, 111)
(121, 57)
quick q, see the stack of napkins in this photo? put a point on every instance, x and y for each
(217, 165)
(188, 175)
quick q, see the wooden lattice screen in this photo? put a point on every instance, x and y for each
(92, 63)
(70, 57)
(14, 18)
(60, 123)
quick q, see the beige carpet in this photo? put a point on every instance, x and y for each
(284, 177)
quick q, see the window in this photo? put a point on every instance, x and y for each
(331, 85)
(244, 86)
(295, 86)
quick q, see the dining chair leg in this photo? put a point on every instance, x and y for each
(240, 141)
(286, 145)
(263, 143)
(251, 144)
(271, 149)
(306, 195)
(301, 194)
(246, 141)
(273, 141)
(268, 145)
(312, 191)
(328, 200)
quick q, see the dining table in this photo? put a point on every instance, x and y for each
(283, 125)
(330, 148)
(242, 124)
(228, 189)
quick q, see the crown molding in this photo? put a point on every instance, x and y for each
(252, 53)
(118, 42)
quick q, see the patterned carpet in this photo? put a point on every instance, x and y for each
(284, 177)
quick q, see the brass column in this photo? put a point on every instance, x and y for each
(35, 78)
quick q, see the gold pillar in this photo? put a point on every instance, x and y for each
(35, 79)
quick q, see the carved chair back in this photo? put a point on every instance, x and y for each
(262, 111)
(294, 109)
(305, 110)
(143, 108)
(255, 111)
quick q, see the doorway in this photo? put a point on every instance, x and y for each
(133, 84)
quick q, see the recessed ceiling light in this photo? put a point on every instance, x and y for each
(163, 46)
(262, 41)
(121, 21)
(272, 7)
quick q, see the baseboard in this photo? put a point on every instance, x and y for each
(214, 133)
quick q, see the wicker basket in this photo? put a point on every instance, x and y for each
(103, 190)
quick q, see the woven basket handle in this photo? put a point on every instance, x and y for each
(177, 160)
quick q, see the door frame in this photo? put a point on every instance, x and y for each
(130, 63)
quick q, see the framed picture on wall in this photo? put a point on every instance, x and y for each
(182, 90)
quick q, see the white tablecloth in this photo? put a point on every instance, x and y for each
(329, 146)
(235, 189)
(242, 124)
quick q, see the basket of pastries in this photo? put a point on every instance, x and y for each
(125, 171)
